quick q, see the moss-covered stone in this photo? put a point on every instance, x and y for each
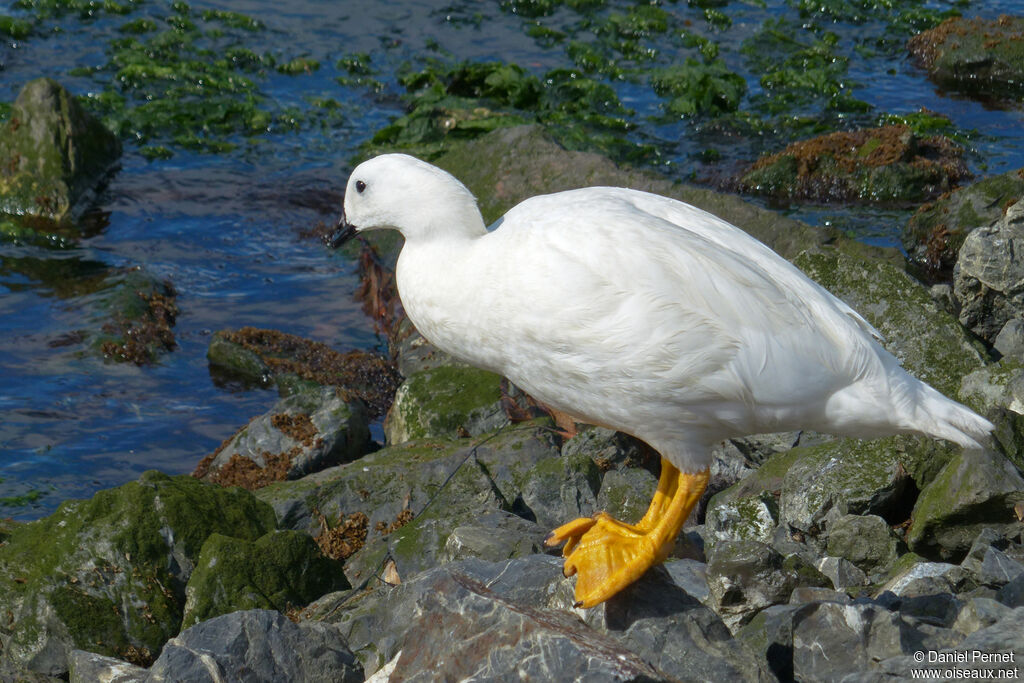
(742, 518)
(52, 153)
(280, 570)
(930, 343)
(137, 311)
(865, 540)
(997, 392)
(445, 402)
(294, 365)
(886, 164)
(975, 490)
(934, 234)
(984, 57)
(108, 574)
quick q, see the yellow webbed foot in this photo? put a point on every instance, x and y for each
(607, 555)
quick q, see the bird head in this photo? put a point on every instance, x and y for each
(400, 192)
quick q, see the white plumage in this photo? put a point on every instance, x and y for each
(642, 314)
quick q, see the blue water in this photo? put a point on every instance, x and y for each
(227, 229)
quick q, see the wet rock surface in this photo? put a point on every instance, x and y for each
(887, 164)
(981, 57)
(53, 155)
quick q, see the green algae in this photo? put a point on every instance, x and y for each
(280, 570)
(696, 87)
(111, 570)
(447, 401)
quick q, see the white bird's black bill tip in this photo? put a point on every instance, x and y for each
(342, 234)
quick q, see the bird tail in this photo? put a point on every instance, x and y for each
(936, 415)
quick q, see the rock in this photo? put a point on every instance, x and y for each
(257, 645)
(747, 518)
(1010, 340)
(493, 537)
(53, 155)
(978, 613)
(691, 576)
(281, 570)
(268, 357)
(108, 574)
(934, 234)
(957, 662)
(831, 639)
(89, 667)
(988, 562)
(973, 491)
(306, 432)
(626, 494)
(450, 401)
(866, 541)
(843, 573)
(513, 620)
(978, 56)
(131, 317)
(449, 485)
(1012, 594)
(912, 577)
(987, 278)
(746, 576)
(997, 392)
(886, 164)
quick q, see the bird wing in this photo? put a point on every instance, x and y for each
(665, 302)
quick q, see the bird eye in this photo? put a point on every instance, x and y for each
(360, 186)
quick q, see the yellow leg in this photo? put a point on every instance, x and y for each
(609, 555)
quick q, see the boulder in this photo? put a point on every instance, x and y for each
(108, 574)
(53, 155)
(973, 491)
(982, 57)
(865, 540)
(449, 401)
(988, 279)
(257, 645)
(281, 570)
(934, 234)
(305, 432)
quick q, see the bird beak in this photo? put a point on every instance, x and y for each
(343, 233)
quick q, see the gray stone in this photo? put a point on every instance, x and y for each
(843, 573)
(1012, 594)
(747, 518)
(973, 491)
(988, 279)
(691, 576)
(865, 540)
(747, 576)
(831, 640)
(939, 609)
(89, 667)
(257, 645)
(493, 537)
(1010, 340)
(626, 493)
(925, 578)
(311, 430)
(514, 620)
(979, 613)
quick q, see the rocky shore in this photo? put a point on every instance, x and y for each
(301, 549)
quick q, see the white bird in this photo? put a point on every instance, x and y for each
(645, 315)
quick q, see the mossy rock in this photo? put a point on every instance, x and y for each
(865, 540)
(885, 164)
(934, 234)
(108, 574)
(449, 401)
(997, 392)
(929, 342)
(136, 312)
(974, 491)
(414, 495)
(983, 57)
(52, 153)
(280, 570)
(294, 364)
(742, 518)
